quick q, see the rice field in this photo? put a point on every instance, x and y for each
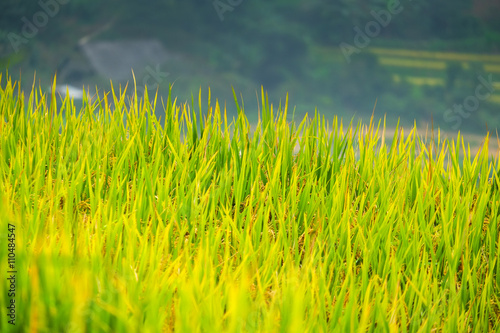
(424, 68)
(429, 68)
(206, 225)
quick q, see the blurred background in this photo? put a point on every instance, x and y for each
(422, 60)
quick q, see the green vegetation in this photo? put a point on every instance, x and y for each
(205, 224)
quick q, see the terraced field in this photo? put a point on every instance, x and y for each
(430, 68)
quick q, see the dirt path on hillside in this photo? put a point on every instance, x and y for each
(475, 141)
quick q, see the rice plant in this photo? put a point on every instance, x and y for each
(205, 224)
